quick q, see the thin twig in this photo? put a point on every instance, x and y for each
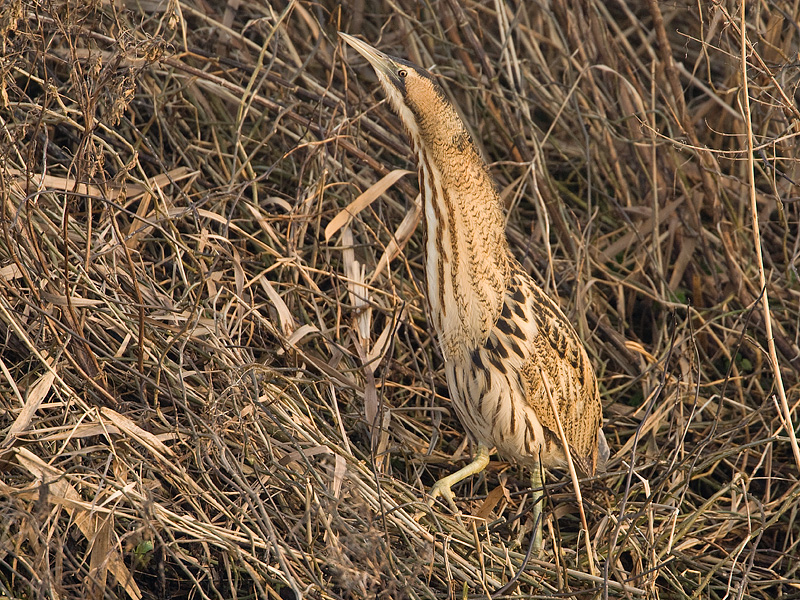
(574, 475)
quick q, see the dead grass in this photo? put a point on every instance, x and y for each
(216, 384)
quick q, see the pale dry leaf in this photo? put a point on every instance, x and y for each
(285, 317)
(87, 520)
(401, 236)
(364, 200)
(36, 394)
(147, 439)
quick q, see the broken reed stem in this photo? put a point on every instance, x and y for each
(574, 475)
(762, 279)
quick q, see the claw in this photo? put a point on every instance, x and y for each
(443, 486)
(444, 489)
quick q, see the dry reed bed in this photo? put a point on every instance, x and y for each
(216, 384)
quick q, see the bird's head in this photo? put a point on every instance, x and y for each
(412, 93)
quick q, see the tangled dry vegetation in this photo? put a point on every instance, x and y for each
(216, 383)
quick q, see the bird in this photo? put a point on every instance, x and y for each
(517, 371)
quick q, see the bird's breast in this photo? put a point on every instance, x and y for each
(466, 257)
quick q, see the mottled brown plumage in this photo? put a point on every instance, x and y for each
(507, 346)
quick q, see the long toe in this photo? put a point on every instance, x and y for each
(443, 488)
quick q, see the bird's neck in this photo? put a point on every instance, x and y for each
(467, 254)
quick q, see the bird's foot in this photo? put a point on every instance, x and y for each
(443, 488)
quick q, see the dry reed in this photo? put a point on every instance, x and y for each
(217, 379)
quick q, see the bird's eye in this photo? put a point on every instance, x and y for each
(402, 73)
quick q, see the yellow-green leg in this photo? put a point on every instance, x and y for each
(442, 487)
(537, 497)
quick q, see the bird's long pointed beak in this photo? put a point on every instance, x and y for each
(379, 61)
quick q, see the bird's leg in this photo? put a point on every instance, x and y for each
(537, 497)
(442, 487)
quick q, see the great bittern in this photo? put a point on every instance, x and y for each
(511, 356)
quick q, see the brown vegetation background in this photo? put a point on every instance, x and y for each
(215, 383)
